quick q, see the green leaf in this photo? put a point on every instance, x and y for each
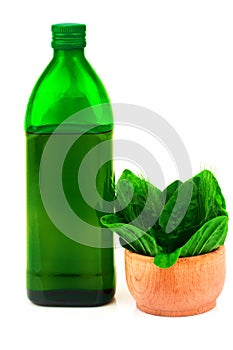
(175, 239)
(192, 221)
(132, 234)
(181, 208)
(111, 219)
(209, 237)
(138, 240)
(138, 201)
(169, 190)
(199, 198)
(165, 260)
(211, 200)
(127, 246)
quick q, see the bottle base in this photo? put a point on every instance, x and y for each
(71, 297)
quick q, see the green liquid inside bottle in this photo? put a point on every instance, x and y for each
(64, 270)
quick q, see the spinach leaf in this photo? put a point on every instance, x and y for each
(170, 189)
(211, 201)
(209, 237)
(139, 241)
(185, 219)
(181, 209)
(110, 220)
(165, 260)
(127, 246)
(175, 239)
(181, 219)
(138, 201)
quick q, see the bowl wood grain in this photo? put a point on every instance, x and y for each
(189, 287)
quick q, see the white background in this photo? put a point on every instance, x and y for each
(174, 57)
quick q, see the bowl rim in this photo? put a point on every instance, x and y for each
(182, 260)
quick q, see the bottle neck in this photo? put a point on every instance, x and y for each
(77, 53)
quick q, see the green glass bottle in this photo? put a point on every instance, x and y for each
(70, 259)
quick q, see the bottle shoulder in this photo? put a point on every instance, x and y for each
(63, 89)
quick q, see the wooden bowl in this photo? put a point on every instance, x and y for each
(189, 287)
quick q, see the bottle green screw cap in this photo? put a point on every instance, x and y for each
(68, 35)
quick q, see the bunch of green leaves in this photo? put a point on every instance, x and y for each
(185, 219)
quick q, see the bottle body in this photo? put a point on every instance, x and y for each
(63, 269)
